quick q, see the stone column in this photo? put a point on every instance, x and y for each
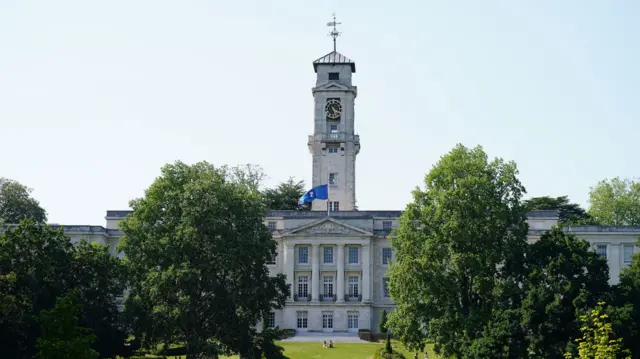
(366, 273)
(289, 263)
(614, 259)
(340, 273)
(315, 272)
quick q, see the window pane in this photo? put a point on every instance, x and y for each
(333, 178)
(271, 320)
(303, 255)
(628, 254)
(353, 255)
(328, 255)
(387, 255)
(385, 287)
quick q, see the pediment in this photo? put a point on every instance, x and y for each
(328, 227)
(332, 86)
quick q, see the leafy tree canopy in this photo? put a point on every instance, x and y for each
(569, 213)
(16, 203)
(382, 327)
(458, 241)
(564, 277)
(624, 310)
(197, 249)
(62, 337)
(285, 196)
(616, 202)
(597, 341)
(39, 265)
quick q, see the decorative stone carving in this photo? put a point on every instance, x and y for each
(327, 228)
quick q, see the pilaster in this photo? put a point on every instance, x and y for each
(315, 272)
(340, 273)
(289, 262)
(366, 273)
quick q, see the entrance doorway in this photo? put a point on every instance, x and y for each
(352, 322)
(327, 321)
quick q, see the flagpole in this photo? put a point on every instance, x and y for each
(324, 154)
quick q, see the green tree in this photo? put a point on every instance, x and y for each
(382, 327)
(62, 337)
(38, 262)
(38, 265)
(597, 341)
(458, 241)
(285, 196)
(616, 202)
(16, 203)
(564, 277)
(569, 213)
(625, 309)
(249, 175)
(197, 249)
(100, 279)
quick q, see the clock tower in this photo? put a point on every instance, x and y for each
(334, 144)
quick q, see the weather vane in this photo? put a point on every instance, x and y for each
(334, 33)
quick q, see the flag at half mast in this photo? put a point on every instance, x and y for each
(319, 192)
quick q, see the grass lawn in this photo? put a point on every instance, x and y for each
(341, 351)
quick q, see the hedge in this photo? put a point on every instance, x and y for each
(382, 354)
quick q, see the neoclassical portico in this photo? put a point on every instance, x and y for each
(328, 265)
(327, 240)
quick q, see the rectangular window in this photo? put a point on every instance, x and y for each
(327, 285)
(333, 150)
(273, 258)
(327, 320)
(354, 282)
(302, 319)
(387, 256)
(601, 249)
(334, 206)
(385, 287)
(627, 253)
(272, 226)
(303, 286)
(333, 128)
(352, 320)
(303, 255)
(327, 255)
(386, 225)
(271, 320)
(334, 76)
(353, 255)
(333, 178)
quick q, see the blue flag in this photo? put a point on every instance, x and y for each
(320, 192)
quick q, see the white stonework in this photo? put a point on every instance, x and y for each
(334, 263)
(334, 144)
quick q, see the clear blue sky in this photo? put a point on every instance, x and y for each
(95, 96)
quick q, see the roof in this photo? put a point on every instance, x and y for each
(290, 214)
(334, 58)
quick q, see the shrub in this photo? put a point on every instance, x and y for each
(286, 333)
(382, 354)
(387, 346)
(173, 351)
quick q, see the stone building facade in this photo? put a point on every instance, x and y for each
(337, 261)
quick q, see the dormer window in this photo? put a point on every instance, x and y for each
(334, 76)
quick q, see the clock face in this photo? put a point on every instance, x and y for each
(333, 108)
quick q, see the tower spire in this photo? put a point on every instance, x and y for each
(334, 33)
